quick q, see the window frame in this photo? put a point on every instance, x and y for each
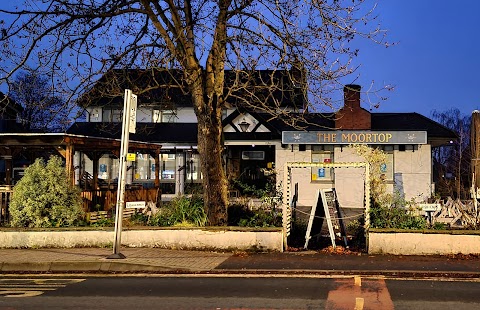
(326, 153)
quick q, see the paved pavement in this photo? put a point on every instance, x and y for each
(302, 263)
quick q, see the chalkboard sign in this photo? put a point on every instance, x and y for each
(326, 207)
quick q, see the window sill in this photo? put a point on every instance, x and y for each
(322, 181)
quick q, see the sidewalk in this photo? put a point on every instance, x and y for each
(163, 261)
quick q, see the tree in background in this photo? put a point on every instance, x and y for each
(43, 109)
(452, 162)
(312, 42)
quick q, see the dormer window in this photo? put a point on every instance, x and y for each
(164, 116)
(112, 115)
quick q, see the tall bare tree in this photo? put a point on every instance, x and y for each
(80, 40)
(453, 161)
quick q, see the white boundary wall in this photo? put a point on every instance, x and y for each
(422, 244)
(170, 238)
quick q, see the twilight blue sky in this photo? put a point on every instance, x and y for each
(436, 63)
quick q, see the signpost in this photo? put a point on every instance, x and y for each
(429, 209)
(128, 126)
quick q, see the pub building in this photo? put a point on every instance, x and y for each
(407, 139)
(257, 147)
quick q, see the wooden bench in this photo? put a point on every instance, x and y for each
(93, 217)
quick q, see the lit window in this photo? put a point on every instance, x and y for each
(117, 116)
(157, 116)
(144, 166)
(387, 168)
(253, 155)
(166, 116)
(167, 167)
(192, 167)
(169, 116)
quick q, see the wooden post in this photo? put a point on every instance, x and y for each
(8, 169)
(157, 167)
(70, 152)
(95, 157)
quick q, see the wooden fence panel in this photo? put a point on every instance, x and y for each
(5, 196)
(107, 199)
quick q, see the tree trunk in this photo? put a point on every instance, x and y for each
(210, 148)
(208, 109)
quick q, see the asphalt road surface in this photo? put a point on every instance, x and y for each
(221, 293)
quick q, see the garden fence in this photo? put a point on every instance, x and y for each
(5, 196)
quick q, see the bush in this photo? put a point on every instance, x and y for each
(356, 229)
(395, 217)
(182, 210)
(241, 215)
(44, 197)
(137, 219)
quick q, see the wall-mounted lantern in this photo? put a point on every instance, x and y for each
(244, 125)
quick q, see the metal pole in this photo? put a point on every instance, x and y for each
(121, 177)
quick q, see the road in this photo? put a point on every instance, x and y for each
(222, 293)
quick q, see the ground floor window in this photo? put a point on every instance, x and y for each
(387, 168)
(108, 166)
(167, 166)
(193, 167)
(144, 167)
(322, 154)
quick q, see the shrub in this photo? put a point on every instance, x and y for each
(388, 210)
(395, 217)
(182, 210)
(267, 215)
(241, 215)
(356, 229)
(137, 219)
(44, 197)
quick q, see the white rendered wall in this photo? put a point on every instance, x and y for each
(412, 173)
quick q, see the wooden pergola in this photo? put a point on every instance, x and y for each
(35, 145)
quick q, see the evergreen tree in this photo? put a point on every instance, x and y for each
(44, 198)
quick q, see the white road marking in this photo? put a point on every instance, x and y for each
(358, 281)
(17, 294)
(359, 303)
(32, 287)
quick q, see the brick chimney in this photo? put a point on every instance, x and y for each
(352, 116)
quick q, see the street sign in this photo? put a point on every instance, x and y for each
(135, 204)
(429, 207)
(131, 156)
(133, 114)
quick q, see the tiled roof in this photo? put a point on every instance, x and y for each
(145, 132)
(410, 121)
(167, 89)
(187, 132)
(380, 121)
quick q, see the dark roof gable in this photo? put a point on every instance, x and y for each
(411, 121)
(167, 89)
